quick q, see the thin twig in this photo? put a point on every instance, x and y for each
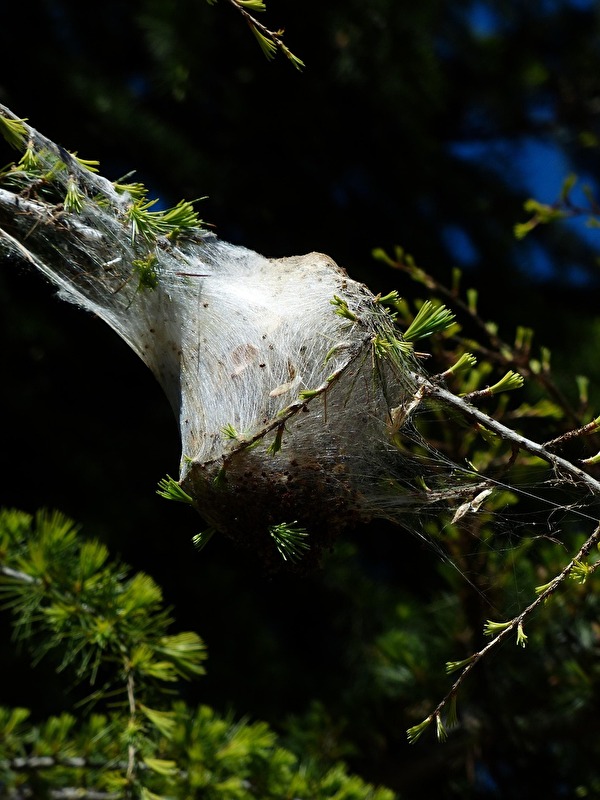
(561, 465)
(499, 347)
(470, 412)
(91, 181)
(516, 622)
(274, 36)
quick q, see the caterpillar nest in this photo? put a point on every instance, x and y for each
(291, 384)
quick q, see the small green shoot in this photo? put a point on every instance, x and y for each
(492, 628)
(307, 394)
(335, 349)
(466, 362)
(388, 345)
(229, 432)
(429, 320)
(580, 571)
(455, 666)
(14, 131)
(452, 713)
(342, 309)
(151, 224)
(542, 214)
(171, 490)
(220, 478)
(521, 635)
(592, 460)
(136, 190)
(379, 254)
(414, 734)
(583, 385)
(161, 766)
(275, 445)
(391, 299)
(201, 539)
(74, 197)
(472, 300)
(512, 380)
(523, 338)
(163, 721)
(291, 542)
(89, 164)
(253, 5)
(30, 160)
(145, 269)
(267, 45)
(441, 732)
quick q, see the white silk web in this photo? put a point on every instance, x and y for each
(294, 394)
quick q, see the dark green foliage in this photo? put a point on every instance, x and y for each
(111, 629)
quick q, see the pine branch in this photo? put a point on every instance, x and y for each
(498, 351)
(505, 629)
(269, 41)
(562, 465)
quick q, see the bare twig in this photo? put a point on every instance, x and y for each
(562, 465)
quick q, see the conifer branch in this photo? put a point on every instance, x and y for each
(561, 465)
(269, 41)
(498, 351)
(502, 631)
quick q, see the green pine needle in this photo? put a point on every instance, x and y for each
(580, 572)
(455, 666)
(171, 490)
(492, 628)
(164, 721)
(136, 190)
(151, 224)
(229, 432)
(452, 714)
(145, 269)
(290, 542)
(74, 197)
(442, 733)
(306, 394)
(542, 587)
(295, 61)
(388, 345)
(389, 299)
(342, 309)
(14, 131)
(275, 445)
(466, 362)
(90, 164)
(161, 766)
(30, 161)
(472, 300)
(414, 734)
(200, 540)
(592, 460)
(512, 380)
(220, 478)
(267, 45)
(254, 5)
(429, 320)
